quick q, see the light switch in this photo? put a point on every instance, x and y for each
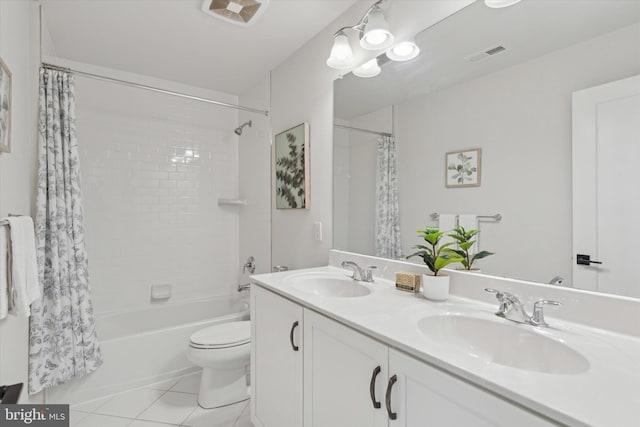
(317, 231)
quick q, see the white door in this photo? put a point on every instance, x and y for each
(276, 360)
(606, 187)
(345, 375)
(425, 396)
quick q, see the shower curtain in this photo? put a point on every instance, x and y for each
(387, 209)
(63, 342)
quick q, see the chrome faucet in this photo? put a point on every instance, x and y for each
(358, 272)
(512, 309)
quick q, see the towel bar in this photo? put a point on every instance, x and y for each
(497, 217)
(5, 222)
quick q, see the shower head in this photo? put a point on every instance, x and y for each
(238, 130)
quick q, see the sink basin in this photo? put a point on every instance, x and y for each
(327, 285)
(512, 345)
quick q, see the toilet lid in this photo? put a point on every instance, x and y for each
(223, 335)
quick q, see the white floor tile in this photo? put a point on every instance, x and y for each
(171, 408)
(245, 418)
(129, 404)
(188, 384)
(218, 417)
(96, 420)
(90, 406)
(164, 385)
(142, 423)
(76, 416)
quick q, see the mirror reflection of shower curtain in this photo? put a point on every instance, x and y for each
(387, 206)
(62, 342)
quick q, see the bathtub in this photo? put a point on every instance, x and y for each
(146, 346)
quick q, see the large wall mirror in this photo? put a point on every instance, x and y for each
(502, 80)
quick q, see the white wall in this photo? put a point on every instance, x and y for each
(302, 90)
(521, 118)
(254, 147)
(19, 48)
(153, 167)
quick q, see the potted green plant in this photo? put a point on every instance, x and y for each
(465, 240)
(436, 256)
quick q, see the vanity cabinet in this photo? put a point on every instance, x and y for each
(276, 362)
(345, 375)
(423, 395)
(349, 379)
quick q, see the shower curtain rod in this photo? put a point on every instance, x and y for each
(363, 130)
(153, 89)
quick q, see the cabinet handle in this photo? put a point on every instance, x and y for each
(392, 415)
(293, 328)
(372, 387)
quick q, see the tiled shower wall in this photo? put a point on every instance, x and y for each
(153, 167)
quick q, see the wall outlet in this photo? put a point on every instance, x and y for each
(317, 231)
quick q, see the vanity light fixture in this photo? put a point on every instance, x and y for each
(368, 69)
(341, 57)
(374, 35)
(497, 4)
(403, 51)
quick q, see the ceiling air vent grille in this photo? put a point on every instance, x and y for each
(239, 12)
(479, 56)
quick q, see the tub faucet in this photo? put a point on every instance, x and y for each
(244, 287)
(512, 309)
(358, 272)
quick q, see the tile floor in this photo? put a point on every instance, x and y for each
(170, 403)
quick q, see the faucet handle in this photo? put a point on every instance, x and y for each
(538, 313)
(369, 273)
(491, 291)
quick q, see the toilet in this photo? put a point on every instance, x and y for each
(223, 352)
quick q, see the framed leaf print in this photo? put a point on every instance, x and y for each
(5, 108)
(292, 168)
(462, 168)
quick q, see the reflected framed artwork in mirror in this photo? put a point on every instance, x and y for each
(5, 108)
(292, 168)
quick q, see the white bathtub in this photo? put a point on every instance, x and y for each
(146, 346)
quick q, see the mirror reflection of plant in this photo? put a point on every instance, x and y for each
(434, 255)
(463, 169)
(291, 173)
(465, 242)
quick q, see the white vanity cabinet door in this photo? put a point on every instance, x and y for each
(426, 396)
(276, 327)
(339, 364)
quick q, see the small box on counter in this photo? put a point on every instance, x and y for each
(409, 282)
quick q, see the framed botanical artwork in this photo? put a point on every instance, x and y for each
(292, 168)
(463, 168)
(5, 108)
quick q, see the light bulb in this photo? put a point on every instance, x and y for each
(368, 69)
(497, 4)
(403, 51)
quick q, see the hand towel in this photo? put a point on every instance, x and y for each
(24, 267)
(446, 223)
(4, 271)
(470, 222)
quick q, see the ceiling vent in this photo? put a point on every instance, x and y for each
(239, 12)
(486, 53)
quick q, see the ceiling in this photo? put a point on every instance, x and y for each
(527, 30)
(175, 40)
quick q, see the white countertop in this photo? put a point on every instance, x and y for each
(607, 394)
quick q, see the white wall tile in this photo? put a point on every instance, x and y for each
(153, 168)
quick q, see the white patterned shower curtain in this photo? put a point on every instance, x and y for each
(63, 342)
(387, 206)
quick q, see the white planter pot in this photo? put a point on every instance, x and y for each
(435, 288)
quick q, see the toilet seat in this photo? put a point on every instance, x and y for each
(224, 335)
